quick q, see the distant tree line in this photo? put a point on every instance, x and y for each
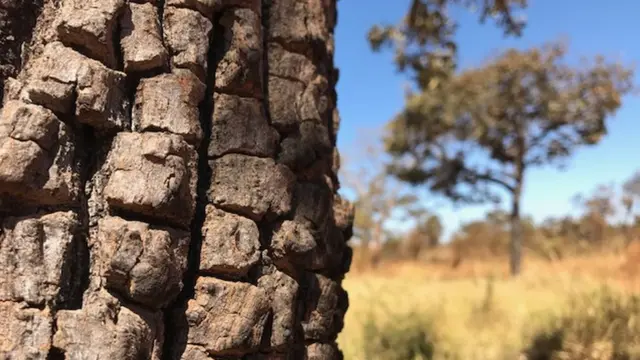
(606, 219)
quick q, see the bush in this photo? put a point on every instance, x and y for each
(406, 337)
(601, 325)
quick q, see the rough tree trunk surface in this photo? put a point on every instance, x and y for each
(168, 181)
(17, 19)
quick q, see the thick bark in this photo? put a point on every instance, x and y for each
(168, 183)
(17, 20)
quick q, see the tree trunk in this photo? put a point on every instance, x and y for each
(516, 233)
(17, 20)
(374, 246)
(168, 182)
(516, 223)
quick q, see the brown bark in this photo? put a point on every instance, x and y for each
(17, 20)
(168, 183)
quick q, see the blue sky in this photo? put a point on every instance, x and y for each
(370, 91)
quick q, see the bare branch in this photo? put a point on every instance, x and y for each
(488, 177)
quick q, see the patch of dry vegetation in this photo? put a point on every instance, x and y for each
(578, 308)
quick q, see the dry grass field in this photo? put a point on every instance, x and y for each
(579, 308)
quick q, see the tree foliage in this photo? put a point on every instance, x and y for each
(426, 234)
(489, 236)
(598, 207)
(377, 205)
(631, 190)
(433, 230)
(378, 197)
(424, 41)
(632, 185)
(486, 126)
(469, 134)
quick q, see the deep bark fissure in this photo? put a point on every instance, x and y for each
(117, 34)
(153, 221)
(237, 93)
(220, 275)
(161, 5)
(265, 342)
(240, 152)
(204, 171)
(56, 354)
(203, 184)
(17, 208)
(265, 66)
(79, 271)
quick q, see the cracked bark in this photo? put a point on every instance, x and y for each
(168, 181)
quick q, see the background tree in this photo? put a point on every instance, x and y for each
(379, 200)
(632, 185)
(425, 235)
(424, 41)
(631, 191)
(631, 198)
(599, 207)
(482, 238)
(379, 204)
(476, 135)
(433, 229)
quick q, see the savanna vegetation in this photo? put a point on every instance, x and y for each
(503, 286)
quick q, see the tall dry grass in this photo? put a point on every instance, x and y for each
(579, 308)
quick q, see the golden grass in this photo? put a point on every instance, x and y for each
(470, 316)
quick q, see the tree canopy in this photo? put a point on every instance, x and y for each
(467, 134)
(380, 199)
(424, 40)
(486, 126)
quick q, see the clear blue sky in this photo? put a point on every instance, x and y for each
(370, 91)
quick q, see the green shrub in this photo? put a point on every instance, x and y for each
(406, 337)
(600, 325)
